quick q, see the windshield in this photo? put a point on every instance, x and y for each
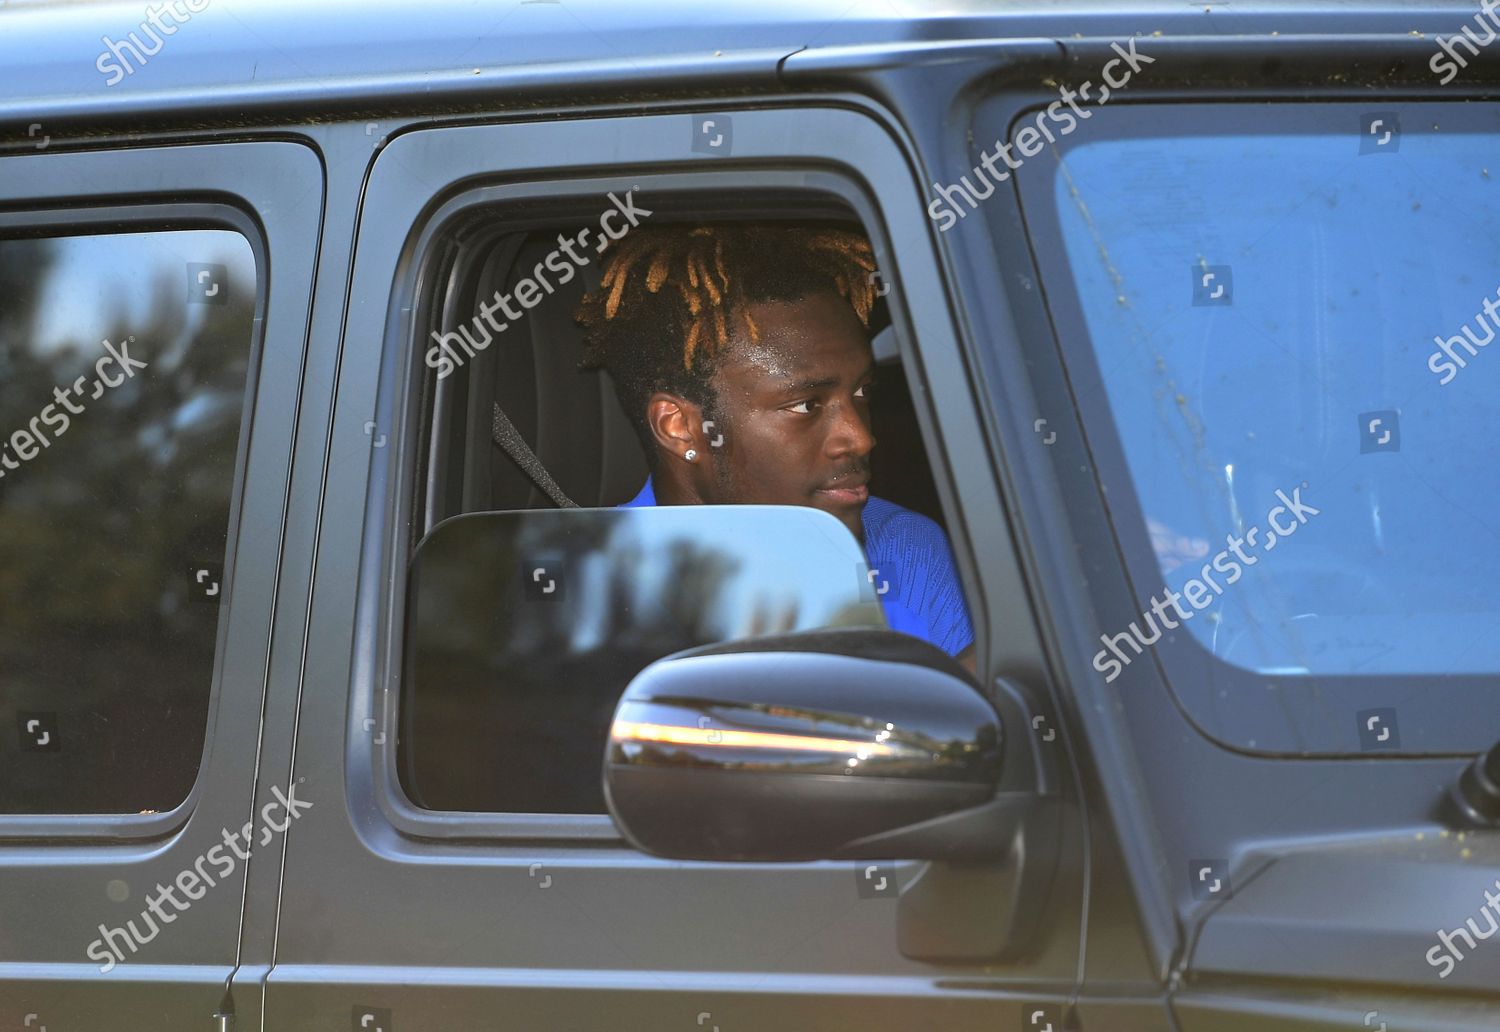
(1284, 314)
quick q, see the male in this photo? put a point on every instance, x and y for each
(740, 353)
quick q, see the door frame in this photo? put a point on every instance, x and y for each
(58, 869)
(349, 872)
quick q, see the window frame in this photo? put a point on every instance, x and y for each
(126, 220)
(243, 188)
(164, 218)
(391, 489)
(564, 200)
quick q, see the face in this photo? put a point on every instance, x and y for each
(794, 409)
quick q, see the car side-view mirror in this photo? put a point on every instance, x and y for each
(824, 745)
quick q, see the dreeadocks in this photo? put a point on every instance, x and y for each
(109, 948)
